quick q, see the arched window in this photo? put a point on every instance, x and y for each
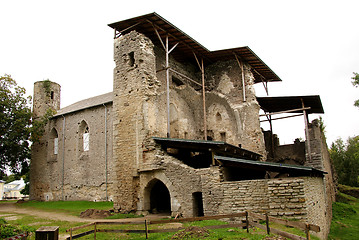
(84, 137)
(53, 145)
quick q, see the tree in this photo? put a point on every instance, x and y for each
(355, 83)
(15, 127)
(346, 160)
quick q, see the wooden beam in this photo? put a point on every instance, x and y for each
(286, 111)
(306, 130)
(241, 65)
(296, 115)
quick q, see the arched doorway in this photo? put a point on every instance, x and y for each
(158, 197)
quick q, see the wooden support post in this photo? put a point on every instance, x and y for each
(267, 224)
(247, 222)
(204, 103)
(307, 233)
(241, 65)
(94, 233)
(306, 130)
(201, 67)
(70, 233)
(272, 136)
(168, 89)
(146, 229)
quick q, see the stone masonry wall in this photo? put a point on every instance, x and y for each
(134, 82)
(320, 159)
(316, 206)
(73, 174)
(299, 198)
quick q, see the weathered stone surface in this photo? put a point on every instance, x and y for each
(124, 164)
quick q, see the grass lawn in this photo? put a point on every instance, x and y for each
(69, 207)
(345, 222)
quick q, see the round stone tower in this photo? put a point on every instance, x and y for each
(46, 95)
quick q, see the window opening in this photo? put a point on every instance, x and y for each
(56, 145)
(218, 117)
(223, 136)
(131, 55)
(86, 139)
(52, 94)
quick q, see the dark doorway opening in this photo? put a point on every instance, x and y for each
(160, 200)
(197, 204)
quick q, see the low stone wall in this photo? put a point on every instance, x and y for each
(301, 198)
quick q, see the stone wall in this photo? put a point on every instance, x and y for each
(134, 82)
(320, 159)
(74, 174)
(300, 198)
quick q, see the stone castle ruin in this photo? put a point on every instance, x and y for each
(180, 133)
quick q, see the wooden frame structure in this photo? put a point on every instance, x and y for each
(184, 48)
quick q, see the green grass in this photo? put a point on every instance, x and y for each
(69, 207)
(345, 222)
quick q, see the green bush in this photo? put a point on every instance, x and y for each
(7, 230)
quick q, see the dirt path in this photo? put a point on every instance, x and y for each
(13, 208)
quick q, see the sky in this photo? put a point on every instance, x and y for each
(313, 46)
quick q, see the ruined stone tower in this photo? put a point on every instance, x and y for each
(46, 95)
(134, 76)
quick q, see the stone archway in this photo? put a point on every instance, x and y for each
(157, 197)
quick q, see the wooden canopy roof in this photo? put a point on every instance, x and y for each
(146, 24)
(297, 170)
(285, 103)
(218, 147)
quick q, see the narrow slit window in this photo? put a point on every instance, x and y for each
(56, 146)
(223, 136)
(86, 139)
(131, 56)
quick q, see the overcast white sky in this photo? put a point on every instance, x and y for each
(313, 46)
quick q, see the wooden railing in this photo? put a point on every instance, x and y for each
(251, 219)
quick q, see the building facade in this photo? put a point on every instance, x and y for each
(180, 133)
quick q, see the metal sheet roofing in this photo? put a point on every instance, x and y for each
(86, 103)
(277, 104)
(269, 166)
(221, 148)
(145, 24)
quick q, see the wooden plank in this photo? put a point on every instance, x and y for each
(287, 235)
(81, 235)
(122, 230)
(276, 231)
(300, 225)
(121, 223)
(287, 111)
(236, 225)
(165, 230)
(242, 214)
(80, 227)
(207, 227)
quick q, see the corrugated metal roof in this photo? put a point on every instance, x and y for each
(283, 103)
(187, 46)
(269, 166)
(87, 103)
(217, 147)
